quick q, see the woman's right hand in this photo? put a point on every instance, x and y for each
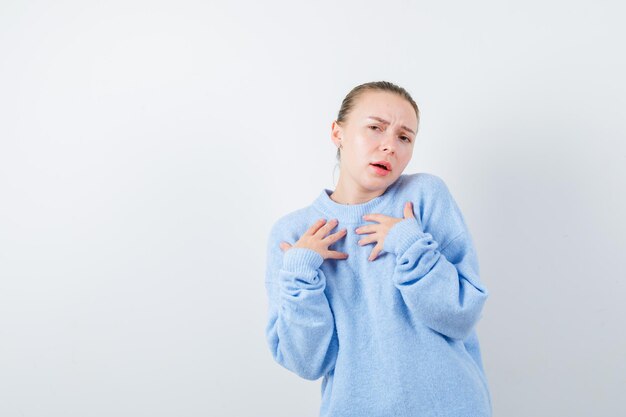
(315, 239)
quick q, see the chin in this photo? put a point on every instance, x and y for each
(380, 183)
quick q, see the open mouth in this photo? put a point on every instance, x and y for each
(383, 166)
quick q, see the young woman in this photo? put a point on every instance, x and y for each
(375, 286)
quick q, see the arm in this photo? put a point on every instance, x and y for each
(301, 330)
(441, 288)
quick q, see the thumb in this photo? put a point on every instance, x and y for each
(285, 246)
(408, 210)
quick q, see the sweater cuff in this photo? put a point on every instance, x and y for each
(402, 235)
(303, 263)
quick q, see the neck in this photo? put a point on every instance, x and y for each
(353, 193)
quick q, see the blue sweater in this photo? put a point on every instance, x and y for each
(391, 337)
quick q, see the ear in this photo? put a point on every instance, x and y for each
(336, 133)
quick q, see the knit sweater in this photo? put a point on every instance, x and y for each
(395, 336)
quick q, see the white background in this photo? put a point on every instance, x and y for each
(146, 148)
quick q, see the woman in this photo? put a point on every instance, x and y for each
(385, 307)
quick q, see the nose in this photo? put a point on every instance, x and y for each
(387, 144)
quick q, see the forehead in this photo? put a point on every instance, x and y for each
(385, 104)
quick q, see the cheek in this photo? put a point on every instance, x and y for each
(406, 156)
(362, 146)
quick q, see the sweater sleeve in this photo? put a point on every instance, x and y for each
(300, 331)
(441, 288)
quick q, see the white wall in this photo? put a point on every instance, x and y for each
(147, 147)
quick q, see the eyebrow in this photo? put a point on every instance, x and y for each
(386, 122)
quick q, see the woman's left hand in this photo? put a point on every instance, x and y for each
(378, 232)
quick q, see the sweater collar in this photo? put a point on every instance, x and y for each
(353, 213)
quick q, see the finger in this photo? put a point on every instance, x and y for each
(408, 210)
(324, 230)
(367, 240)
(284, 246)
(335, 236)
(370, 228)
(315, 227)
(374, 253)
(377, 217)
(336, 255)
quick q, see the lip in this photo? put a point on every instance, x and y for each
(385, 163)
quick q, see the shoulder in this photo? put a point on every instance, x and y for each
(425, 181)
(438, 209)
(289, 227)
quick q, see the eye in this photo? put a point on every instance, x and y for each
(374, 127)
(405, 139)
